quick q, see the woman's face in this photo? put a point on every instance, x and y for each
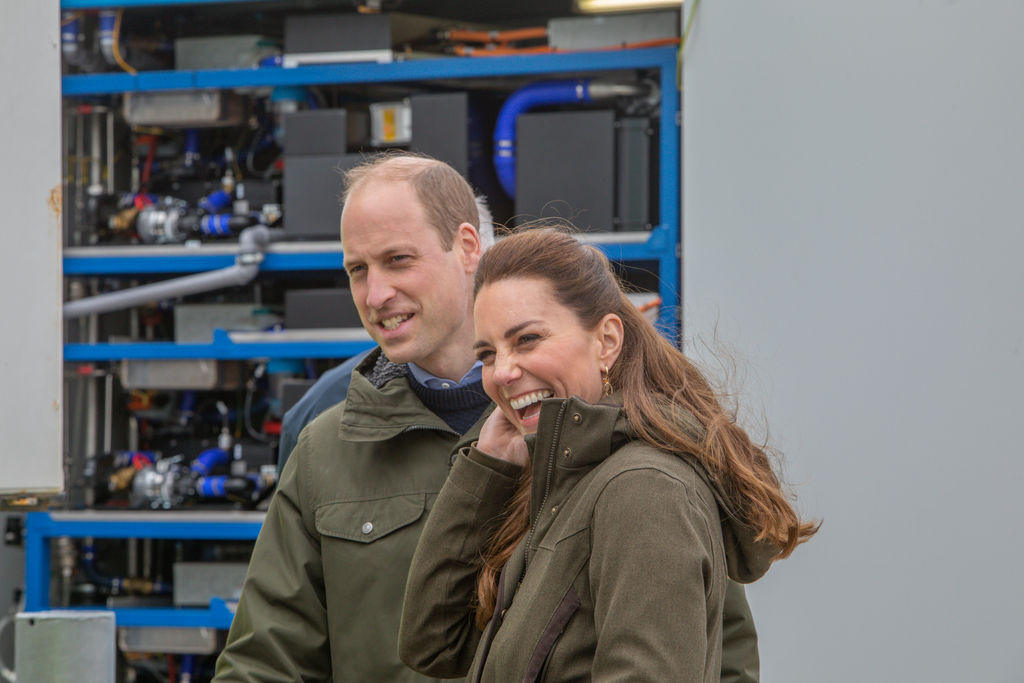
(533, 348)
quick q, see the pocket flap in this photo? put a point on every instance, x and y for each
(365, 521)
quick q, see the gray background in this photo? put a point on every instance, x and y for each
(854, 175)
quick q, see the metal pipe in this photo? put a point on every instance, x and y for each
(110, 151)
(95, 155)
(108, 410)
(252, 241)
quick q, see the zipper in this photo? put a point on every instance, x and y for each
(547, 484)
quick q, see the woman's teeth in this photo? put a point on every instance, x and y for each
(526, 399)
(392, 323)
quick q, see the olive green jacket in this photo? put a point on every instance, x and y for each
(322, 599)
(323, 595)
(622, 576)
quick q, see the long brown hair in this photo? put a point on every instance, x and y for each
(660, 388)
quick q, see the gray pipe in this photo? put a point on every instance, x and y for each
(251, 243)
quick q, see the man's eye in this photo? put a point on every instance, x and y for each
(355, 270)
(399, 258)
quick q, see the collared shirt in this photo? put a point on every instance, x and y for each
(432, 382)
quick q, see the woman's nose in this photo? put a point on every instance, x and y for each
(506, 370)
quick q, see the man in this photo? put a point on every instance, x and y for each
(323, 596)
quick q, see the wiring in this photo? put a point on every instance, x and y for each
(72, 18)
(116, 48)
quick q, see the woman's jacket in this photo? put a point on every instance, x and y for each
(621, 576)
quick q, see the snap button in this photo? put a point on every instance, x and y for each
(577, 418)
(567, 452)
(554, 509)
(367, 527)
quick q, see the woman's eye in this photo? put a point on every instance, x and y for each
(485, 357)
(527, 339)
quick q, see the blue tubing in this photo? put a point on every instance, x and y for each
(539, 94)
(215, 202)
(218, 225)
(206, 461)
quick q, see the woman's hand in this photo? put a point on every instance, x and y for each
(499, 439)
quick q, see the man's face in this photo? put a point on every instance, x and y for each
(413, 295)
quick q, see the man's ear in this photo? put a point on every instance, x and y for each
(467, 246)
(609, 335)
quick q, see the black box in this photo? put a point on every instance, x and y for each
(319, 131)
(306, 309)
(324, 34)
(565, 167)
(312, 194)
(292, 390)
(440, 128)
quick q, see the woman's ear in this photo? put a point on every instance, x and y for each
(609, 338)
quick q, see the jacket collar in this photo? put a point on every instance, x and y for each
(380, 405)
(574, 436)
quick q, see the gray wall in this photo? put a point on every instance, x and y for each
(853, 203)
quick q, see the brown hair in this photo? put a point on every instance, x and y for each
(661, 391)
(446, 197)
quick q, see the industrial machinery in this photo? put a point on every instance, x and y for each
(203, 283)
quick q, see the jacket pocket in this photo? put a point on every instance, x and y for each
(365, 521)
(570, 603)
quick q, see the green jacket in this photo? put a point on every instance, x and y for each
(622, 576)
(323, 595)
(322, 600)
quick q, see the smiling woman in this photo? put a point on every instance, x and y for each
(607, 501)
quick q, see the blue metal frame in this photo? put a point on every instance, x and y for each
(40, 527)
(663, 58)
(221, 348)
(662, 246)
(66, 5)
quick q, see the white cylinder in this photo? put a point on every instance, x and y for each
(64, 646)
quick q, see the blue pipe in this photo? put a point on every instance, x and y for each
(69, 37)
(191, 147)
(217, 485)
(206, 461)
(217, 225)
(188, 668)
(108, 19)
(215, 202)
(539, 94)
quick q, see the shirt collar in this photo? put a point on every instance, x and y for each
(433, 382)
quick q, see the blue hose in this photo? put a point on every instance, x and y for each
(215, 202)
(535, 95)
(209, 459)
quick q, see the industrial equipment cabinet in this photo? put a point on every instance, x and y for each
(659, 245)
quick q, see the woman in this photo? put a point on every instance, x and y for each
(590, 531)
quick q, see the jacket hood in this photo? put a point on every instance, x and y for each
(607, 430)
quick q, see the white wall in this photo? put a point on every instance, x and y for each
(30, 290)
(854, 225)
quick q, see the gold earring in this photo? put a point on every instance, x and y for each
(606, 383)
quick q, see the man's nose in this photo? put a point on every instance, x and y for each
(379, 290)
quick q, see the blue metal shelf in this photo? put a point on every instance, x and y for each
(221, 348)
(128, 263)
(66, 5)
(663, 58)
(40, 527)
